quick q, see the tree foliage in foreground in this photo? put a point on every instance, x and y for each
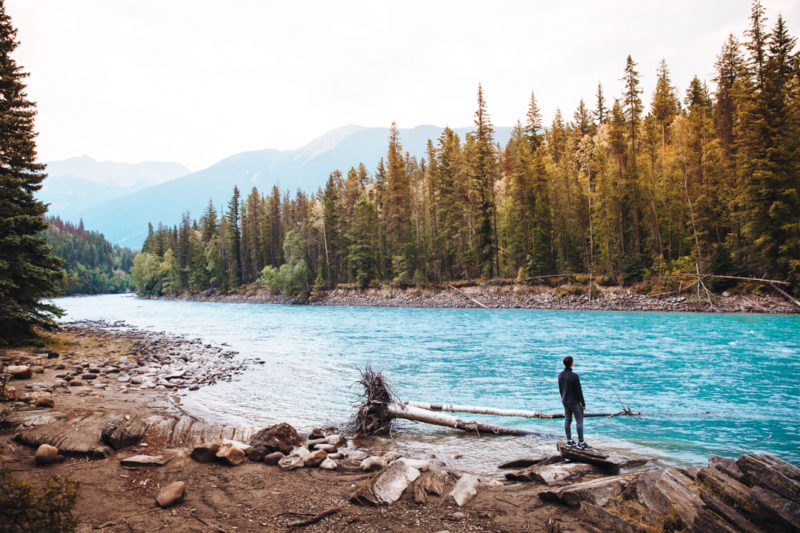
(28, 271)
(639, 186)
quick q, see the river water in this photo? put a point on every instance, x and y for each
(705, 383)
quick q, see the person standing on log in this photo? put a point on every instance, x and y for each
(569, 385)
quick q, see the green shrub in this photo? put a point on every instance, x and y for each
(27, 507)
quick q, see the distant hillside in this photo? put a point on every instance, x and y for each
(75, 185)
(91, 264)
(123, 220)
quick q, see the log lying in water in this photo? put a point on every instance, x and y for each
(410, 412)
(505, 412)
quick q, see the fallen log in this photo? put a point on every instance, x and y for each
(453, 408)
(465, 295)
(784, 294)
(410, 412)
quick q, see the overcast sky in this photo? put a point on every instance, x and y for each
(194, 81)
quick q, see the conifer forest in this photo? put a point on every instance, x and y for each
(626, 187)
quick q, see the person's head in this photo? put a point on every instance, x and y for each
(568, 361)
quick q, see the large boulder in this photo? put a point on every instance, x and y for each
(768, 473)
(669, 493)
(126, 432)
(278, 438)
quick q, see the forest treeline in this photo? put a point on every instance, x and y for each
(632, 187)
(91, 264)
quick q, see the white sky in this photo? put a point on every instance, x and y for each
(194, 81)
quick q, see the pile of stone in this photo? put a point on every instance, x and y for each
(754, 493)
(155, 360)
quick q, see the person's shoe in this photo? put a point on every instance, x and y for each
(584, 446)
(571, 442)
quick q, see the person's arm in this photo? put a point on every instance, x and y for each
(561, 386)
(580, 391)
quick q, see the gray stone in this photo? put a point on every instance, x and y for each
(273, 458)
(784, 510)
(328, 464)
(597, 491)
(388, 486)
(466, 488)
(19, 371)
(146, 460)
(171, 494)
(605, 520)
(375, 462)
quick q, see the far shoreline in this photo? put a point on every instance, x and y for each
(510, 296)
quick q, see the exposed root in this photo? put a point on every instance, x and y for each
(372, 417)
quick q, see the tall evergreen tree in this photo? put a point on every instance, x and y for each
(28, 270)
(484, 172)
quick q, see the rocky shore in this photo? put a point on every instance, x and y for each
(521, 296)
(97, 406)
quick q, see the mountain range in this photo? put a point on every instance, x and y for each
(117, 200)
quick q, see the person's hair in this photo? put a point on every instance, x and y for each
(568, 361)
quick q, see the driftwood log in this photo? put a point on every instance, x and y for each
(453, 408)
(409, 412)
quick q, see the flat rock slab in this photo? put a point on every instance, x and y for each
(27, 418)
(525, 462)
(553, 474)
(607, 461)
(597, 491)
(78, 437)
(146, 460)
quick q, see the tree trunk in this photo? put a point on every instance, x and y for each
(409, 412)
(504, 412)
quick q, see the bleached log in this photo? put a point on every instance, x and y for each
(465, 295)
(409, 412)
(453, 408)
(504, 412)
(785, 294)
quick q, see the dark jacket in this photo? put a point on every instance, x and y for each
(569, 385)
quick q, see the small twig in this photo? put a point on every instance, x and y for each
(125, 518)
(506, 501)
(316, 518)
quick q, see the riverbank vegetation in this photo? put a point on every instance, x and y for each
(92, 265)
(632, 187)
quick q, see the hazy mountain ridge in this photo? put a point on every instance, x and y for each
(123, 219)
(73, 186)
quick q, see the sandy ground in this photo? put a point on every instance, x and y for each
(248, 497)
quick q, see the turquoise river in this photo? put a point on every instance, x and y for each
(704, 383)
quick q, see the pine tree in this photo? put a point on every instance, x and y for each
(484, 172)
(600, 112)
(665, 103)
(235, 240)
(28, 270)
